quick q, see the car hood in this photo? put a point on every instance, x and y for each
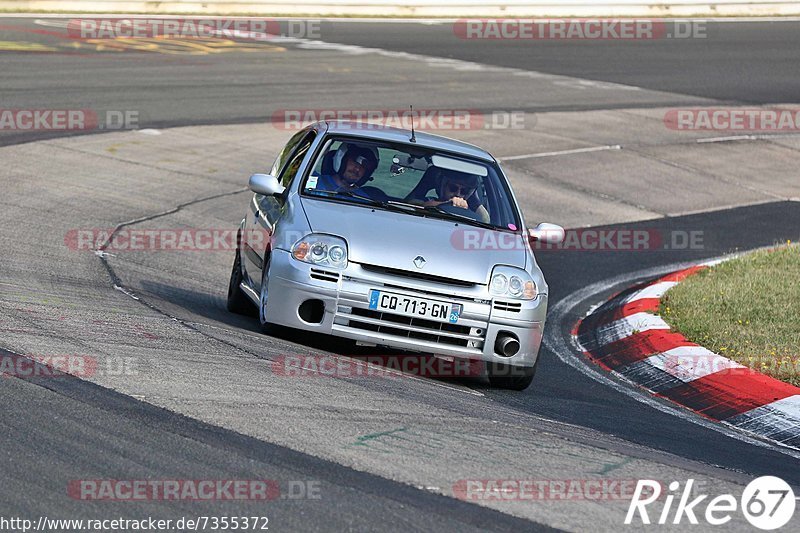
(385, 238)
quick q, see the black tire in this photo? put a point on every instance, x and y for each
(266, 327)
(238, 302)
(510, 377)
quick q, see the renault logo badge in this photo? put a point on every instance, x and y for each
(419, 261)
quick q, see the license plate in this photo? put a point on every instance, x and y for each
(415, 307)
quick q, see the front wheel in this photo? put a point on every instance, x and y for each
(510, 377)
(238, 302)
(266, 327)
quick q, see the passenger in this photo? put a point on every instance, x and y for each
(458, 189)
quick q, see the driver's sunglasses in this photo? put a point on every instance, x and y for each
(460, 189)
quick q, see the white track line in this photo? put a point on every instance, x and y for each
(749, 137)
(562, 152)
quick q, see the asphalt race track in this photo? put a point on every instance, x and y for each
(186, 390)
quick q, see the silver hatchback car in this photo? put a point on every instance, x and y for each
(386, 237)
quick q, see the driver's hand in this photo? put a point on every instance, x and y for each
(459, 202)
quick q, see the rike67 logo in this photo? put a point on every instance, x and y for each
(767, 503)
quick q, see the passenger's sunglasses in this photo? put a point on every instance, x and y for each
(459, 189)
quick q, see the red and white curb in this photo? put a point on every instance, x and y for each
(625, 336)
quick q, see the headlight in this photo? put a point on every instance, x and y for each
(323, 250)
(511, 282)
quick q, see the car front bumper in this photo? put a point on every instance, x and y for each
(345, 297)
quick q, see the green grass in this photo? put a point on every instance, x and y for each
(746, 309)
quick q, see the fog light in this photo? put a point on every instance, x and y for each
(311, 311)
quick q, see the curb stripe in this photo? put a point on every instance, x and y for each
(681, 275)
(676, 367)
(624, 335)
(637, 347)
(688, 363)
(726, 394)
(656, 290)
(644, 305)
(627, 326)
(649, 376)
(779, 421)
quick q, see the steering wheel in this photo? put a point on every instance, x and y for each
(455, 210)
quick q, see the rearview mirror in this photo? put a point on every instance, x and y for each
(400, 162)
(266, 184)
(547, 233)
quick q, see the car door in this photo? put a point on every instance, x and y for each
(265, 211)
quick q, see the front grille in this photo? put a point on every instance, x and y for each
(324, 275)
(513, 307)
(413, 328)
(416, 275)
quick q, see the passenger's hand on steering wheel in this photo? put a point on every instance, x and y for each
(459, 202)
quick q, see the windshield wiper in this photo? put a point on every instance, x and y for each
(403, 207)
(389, 205)
(348, 194)
(435, 209)
(460, 218)
(415, 207)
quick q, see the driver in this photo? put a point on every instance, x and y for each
(351, 171)
(458, 189)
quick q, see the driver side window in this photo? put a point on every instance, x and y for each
(290, 172)
(280, 161)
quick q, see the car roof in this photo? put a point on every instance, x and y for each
(400, 135)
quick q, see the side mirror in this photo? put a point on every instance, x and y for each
(547, 233)
(266, 184)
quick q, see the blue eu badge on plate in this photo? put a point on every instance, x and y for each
(373, 299)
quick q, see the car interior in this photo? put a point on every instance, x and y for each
(404, 177)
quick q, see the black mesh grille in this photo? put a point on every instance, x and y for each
(417, 275)
(513, 307)
(410, 321)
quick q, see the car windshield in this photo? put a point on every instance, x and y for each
(416, 180)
